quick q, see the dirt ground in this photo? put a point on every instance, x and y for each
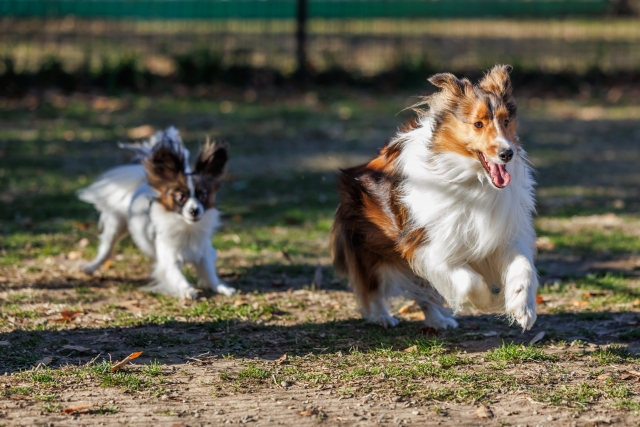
(290, 348)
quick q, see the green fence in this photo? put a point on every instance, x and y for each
(283, 9)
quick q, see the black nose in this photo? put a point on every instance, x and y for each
(506, 155)
(193, 211)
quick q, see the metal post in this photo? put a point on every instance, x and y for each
(301, 39)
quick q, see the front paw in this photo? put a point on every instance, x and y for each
(224, 289)
(89, 268)
(522, 310)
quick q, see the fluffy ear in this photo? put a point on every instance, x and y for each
(164, 164)
(450, 83)
(212, 159)
(498, 81)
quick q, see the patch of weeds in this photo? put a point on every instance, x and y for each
(20, 390)
(153, 368)
(43, 376)
(105, 410)
(253, 371)
(51, 407)
(122, 378)
(581, 394)
(627, 405)
(611, 354)
(517, 353)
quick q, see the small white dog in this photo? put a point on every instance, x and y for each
(168, 208)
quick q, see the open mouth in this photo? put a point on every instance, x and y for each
(500, 178)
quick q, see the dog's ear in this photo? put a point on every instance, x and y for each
(164, 165)
(497, 80)
(451, 84)
(212, 159)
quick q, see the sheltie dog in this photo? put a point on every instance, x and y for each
(168, 208)
(445, 210)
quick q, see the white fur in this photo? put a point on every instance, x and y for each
(480, 238)
(127, 205)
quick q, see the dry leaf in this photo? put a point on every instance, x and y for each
(83, 243)
(67, 316)
(484, 412)
(5, 343)
(537, 338)
(107, 264)
(131, 305)
(240, 302)
(540, 300)
(78, 348)
(410, 349)
(636, 302)
(255, 305)
(281, 359)
(120, 365)
(308, 412)
(44, 361)
(545, 244)
(635, 373)
(604, 376)
(580, 303)
(76, 408)
(411, 307)
(74, 255)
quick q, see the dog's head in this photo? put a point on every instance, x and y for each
(190, 193)
(477, 121)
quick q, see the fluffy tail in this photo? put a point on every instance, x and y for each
(113, 190)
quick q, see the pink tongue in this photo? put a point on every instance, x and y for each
(499, 175)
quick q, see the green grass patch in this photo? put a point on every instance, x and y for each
(517, 353)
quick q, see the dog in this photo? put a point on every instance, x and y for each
(445, 210)
(168, 209)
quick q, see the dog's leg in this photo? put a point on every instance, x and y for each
(520, 285)
(459, 285)
(435, 314)
(206, 269)
(113, 229)
(168, 277)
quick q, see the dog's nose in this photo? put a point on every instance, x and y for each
(506, 155)
(193, 211)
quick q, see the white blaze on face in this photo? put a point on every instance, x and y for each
(192, 209)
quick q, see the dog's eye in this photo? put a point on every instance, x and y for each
(506, 122)
(204, 195)
(180, 197)
(478, 125)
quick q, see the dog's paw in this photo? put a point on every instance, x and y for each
(441, 322)
(384, 320)
(187, 293)
(523, 313)
(224, 289)
(89, 268)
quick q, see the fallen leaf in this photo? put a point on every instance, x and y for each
(74, 255)
(76, 408)
(78, 348)
(67, 316)
(5, 343)
(44, 361)
(580, 303)
(635, 373)
(107, 264)
(255, 305)
(281, 359)
(240, 302)
(308, 412)
(484, 412)
(83, 243)
(317, 277)
(120, 365)
(539, 299)
(131, 305)
(545, 244)
(537, 338)
(410, 349)
(604, 376)
(636, 302)
(144, 131)
(411, 307)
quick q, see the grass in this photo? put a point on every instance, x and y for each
(278, 202)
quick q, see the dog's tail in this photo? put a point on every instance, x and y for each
(114, 189)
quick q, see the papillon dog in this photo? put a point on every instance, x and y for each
(445, 210)
(168, 208)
